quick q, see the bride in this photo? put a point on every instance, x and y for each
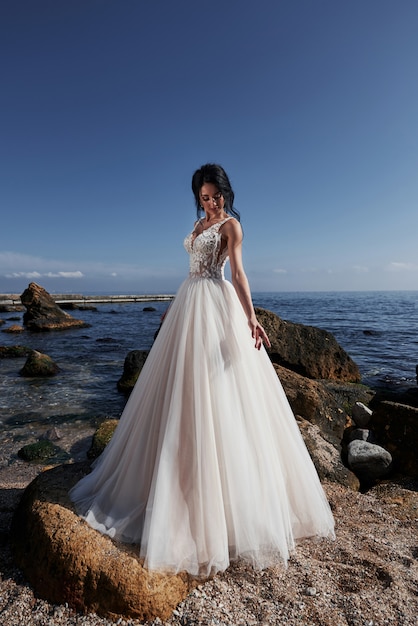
(207, 463)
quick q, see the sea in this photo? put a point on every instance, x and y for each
(379, 330)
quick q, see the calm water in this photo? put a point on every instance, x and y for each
(377, 329)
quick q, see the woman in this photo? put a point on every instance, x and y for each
(207, 463)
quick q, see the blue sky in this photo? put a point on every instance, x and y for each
(107, 108)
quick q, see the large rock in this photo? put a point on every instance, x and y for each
(67, 561)
(311, 400)
(43, 314)
(309, 351)
(39, 365)
(395, 427)
(368, 460)
(134, 362)
(326, 457)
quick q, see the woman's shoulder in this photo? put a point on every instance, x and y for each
(231, 224)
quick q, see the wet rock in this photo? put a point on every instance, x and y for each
(38, 451)
(101, 437)
(43, 314)
(13, 329)
(132, 367)
(309, 351)
(14, 352)
(65, 560)
(52, 434)
(38, 364)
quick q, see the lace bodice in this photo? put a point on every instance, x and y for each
(206, 258)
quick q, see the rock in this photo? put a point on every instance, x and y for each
(312, 400)
(67, 561)
(38, 364)
(361, 414)
(14, 352)
(149, 309)
(52, 434)
(326, 457)
(43, 314)
(309, 351)
(132, 367)
(396, 428)
(361, 434)
(368, 460)
(400, 396)
(14, 328)
(38, 451)
(101, 437)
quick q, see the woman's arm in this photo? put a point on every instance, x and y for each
(233, 234)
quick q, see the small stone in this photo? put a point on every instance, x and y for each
(310, 591)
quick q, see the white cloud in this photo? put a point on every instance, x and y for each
(76, 274)
(37, 275)
(396, 266)
(361, 269)
(280, 271)
(14, 265)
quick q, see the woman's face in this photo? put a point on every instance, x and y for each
(211, 198)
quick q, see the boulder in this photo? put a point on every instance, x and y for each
(43, 314)
(395, 426)
(309, 351)
(312, 400)
(369, 461)
(132, 367)
(65, 560)
(38, 364)
(326, 457)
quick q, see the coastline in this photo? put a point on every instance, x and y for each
(369, 575)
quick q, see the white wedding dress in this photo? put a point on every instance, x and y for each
(207, 463)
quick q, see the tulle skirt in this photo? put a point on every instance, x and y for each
(207, 463)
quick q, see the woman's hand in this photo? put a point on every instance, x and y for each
(258, 333)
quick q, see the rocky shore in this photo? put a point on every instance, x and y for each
(364, 448)
(368, 576)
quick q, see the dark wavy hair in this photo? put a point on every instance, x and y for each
(216, 175)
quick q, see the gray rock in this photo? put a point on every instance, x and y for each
(369, 461)
(361, 434)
